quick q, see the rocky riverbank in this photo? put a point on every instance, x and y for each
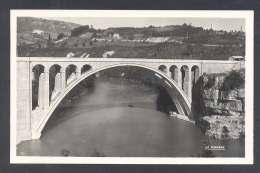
(222, 109)
(223, 127)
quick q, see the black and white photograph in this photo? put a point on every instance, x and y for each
(131, 87)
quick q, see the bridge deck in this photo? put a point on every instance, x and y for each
(63, 59)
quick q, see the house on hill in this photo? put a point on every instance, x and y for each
(220, 32)
(36, 31)
(116, 35)
(236, 58)
(86, 35)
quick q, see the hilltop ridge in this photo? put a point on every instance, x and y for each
(172, 41)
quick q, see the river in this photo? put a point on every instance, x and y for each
(101, 121)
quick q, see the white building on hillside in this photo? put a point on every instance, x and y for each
(36, 31)
(236, 58)
(116, 35)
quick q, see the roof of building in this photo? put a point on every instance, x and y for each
(238, 57)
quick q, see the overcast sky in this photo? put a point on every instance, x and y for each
(106, 22)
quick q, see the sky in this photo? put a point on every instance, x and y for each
(226, 24)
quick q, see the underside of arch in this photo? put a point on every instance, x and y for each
(179, 97)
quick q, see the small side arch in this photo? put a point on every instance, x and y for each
(55, 81)
(163, 68)
(174, 73)
(71, 73)
(195, 74)
(85, 68)
(185, 78)
(37, 78)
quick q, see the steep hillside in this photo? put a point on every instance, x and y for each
(35, 35)
(29, 24)
(37, 31)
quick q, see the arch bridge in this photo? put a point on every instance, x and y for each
(177, 76)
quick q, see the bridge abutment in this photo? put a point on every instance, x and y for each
(36, 135)
(23, 100)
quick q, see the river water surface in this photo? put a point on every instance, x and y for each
(101, 120)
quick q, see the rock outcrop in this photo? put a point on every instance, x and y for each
(224, 127)
(218, 102)
(222, 112)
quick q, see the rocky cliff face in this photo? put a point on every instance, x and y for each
(224, 127)
(222, 111)
(215, 101)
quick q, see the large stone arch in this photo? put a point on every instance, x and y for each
(179, 97)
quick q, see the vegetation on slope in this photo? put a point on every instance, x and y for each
(152, 51)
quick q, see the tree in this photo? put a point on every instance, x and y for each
(111, 33)
(130, 37)
(189, 49)
(61, 35)
(234, 80)
(49, 40)
(84, 43)
(80, 30)
(94, 35)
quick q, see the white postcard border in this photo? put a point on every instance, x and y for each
(249, 19)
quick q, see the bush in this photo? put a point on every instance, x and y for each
(80, 30)
(234, 80)
(211, 82)
(98, 154)
(61, 35)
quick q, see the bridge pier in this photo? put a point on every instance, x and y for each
(78, 74)
(63, 79)
(189, 82)
(46, 90)
(57, 86)
(41, 92)
(179, 78)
